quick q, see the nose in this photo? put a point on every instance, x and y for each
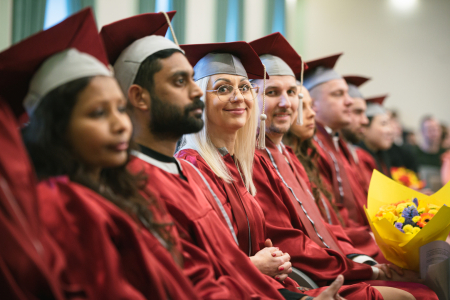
(237, 96)
(120, 122)
(310, 112)
(364, 120)
(348, 100)
(195, 91)
(284, 101)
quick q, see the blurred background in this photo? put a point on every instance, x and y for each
(403, 45)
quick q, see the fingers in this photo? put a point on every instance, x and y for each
(281, 277)
(396, 269)
(284, 268)
(268, 243)
(332, 290)
(277, 253)
(385, 269)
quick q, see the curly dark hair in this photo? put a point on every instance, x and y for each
(307, 154)
(51, 154)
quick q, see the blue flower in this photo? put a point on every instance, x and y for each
(398, 225)
(410, 212)
(416, 202)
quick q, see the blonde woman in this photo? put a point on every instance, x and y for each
(224, 151)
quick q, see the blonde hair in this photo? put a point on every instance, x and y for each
(244, 147)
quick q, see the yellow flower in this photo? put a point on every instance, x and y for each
(410, 204)
(401, 220)
(416, 219)
(421, 210)
(432, 211)
(390, 217)
(401, 207)
(416, 230)
(408, 228)
(432, 206)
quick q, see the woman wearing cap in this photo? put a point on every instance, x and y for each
(378, 137)
(224, 149)
(78, 138)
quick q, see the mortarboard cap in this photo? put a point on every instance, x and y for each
(279, 57)
(235, 58)
(67, 51)
(375, 106)
(321, 70)
(354, 82)
(130, 41)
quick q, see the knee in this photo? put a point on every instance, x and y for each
(390, 293)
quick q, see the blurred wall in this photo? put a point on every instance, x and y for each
(406, 52)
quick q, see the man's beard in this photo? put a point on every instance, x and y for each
(171, 121)
(277, 129)
(350, 136)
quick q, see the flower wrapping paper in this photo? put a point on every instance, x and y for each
(399, 248)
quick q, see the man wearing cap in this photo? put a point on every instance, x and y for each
(331, 102)
(165, 104)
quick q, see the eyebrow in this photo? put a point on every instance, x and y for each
(181, 73)
(223, 79)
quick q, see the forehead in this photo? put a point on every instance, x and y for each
(227, 77)
(359, 104)
(281, 81)
(175, 63)
(102, 87)
(335, 84)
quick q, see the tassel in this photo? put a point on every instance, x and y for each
(261, 141)
(171, 28)
(300, 109)
(300, 97)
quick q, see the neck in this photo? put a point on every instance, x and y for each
(430, 147)
(276, 138)
(221, 138)
(371, 147)
(327, 124)
(94, 174)
(156, 143)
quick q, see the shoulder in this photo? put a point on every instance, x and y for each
(189, 155)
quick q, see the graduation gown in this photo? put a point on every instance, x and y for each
(338, 172)
(31, 265)
(370, 161)
(294, 174)
(109, 256)
(212, 260)
(239, 203)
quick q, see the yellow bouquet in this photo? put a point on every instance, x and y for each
(387, 201)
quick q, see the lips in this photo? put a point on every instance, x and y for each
(122, 146)
(237, 111)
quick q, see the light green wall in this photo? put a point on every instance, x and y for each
(5, 23)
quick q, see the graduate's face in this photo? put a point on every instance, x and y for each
(305, 131)
(354, 131)
(332, 103)
(281, 103)
(379, 135)
(176, 108)
(99, 128)
(227, 114)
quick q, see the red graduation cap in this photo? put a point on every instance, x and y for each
(328, 62)
(242, 50)
(19, 62)
(377, 100)
(277, 45)
(356, 80)
(119, 35)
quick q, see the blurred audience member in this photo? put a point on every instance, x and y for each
(401, 153)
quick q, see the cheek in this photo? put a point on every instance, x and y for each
(86, 138)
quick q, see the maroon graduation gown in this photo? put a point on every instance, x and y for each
(290, 170)
(212, 260)
(109, 256)
(347, 190)
(30, 263)
(235, 192)
(368, 164)
(351, 239)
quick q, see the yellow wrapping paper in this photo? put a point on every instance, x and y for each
(399, 248)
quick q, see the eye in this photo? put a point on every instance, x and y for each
(97, 113)
(122, 108)
(292, 92)
(180, 81)
(270, 93)
(224, 89)
(245, 88)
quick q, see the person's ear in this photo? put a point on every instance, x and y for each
(139, 97)
(314, 104)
